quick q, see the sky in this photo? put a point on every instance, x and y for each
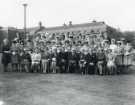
(116, 13)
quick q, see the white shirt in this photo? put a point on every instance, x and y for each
(113, 47)
(36, 57)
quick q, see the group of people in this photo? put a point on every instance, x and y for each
(43, 54)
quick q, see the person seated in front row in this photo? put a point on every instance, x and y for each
(25, 61)
(101, 61)
(36, 60)
(92, 62)
(44, 60)
(111, 66)
(15, 58)
(72, 61)
(53, 61)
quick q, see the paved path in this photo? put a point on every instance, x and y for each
(66, 89)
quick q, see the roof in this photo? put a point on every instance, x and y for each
(31, 30)
(8, 28)
(74, 26)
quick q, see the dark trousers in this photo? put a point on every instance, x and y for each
(15, 67)
(48, 67)
(91, 69)
(5, 67)
(36, 68)
(72, 68)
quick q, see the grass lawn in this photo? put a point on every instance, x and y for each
(66, 89)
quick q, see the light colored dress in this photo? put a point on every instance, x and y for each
(111, 60)
(113, 47)
(119, 55)
(128, 55)
(36, 58)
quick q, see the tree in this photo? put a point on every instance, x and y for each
(130, 37)
(114, 33)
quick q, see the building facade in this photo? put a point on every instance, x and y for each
(86, 31)
(85, 28)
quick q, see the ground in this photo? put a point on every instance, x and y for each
(66, 89)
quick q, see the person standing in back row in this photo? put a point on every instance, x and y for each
(6, 56)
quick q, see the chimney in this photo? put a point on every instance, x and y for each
(64, 25)
(40, 24)
(70, 23)
(94, 21)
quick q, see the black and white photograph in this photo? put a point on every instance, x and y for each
(67, 52)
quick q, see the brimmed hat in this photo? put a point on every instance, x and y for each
(106, 40)
(118, 42)
(112, 39)
(109, 50)
(14, 41)
(73, 49)
(122, 39)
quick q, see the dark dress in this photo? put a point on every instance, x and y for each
(6, 57)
